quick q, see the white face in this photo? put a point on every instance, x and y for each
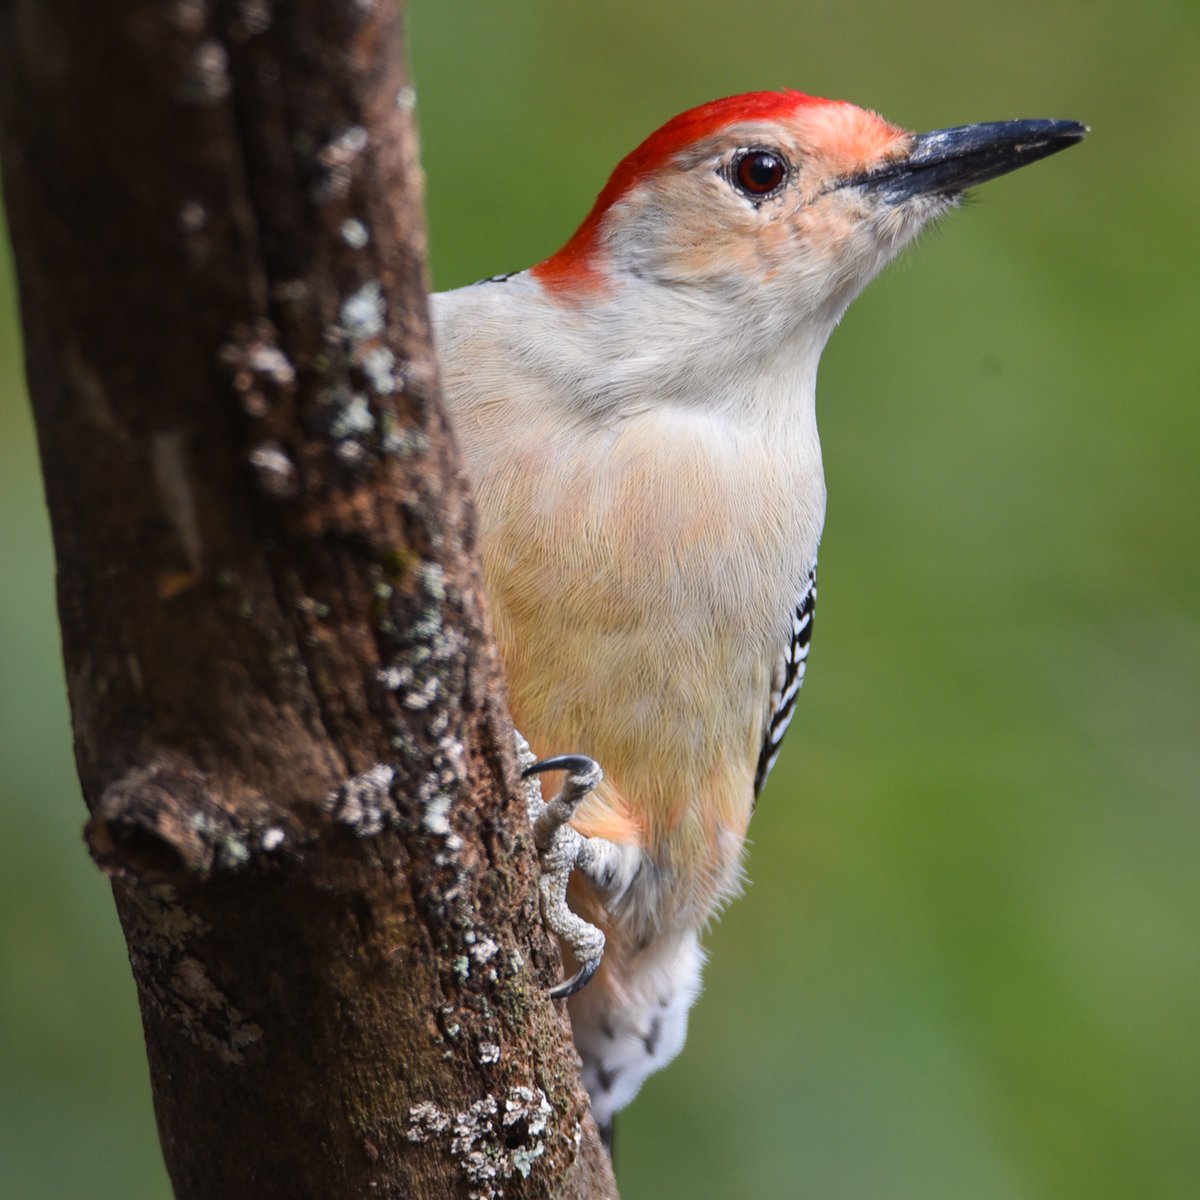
(724, 249)
(762, 212)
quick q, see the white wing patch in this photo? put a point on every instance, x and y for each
(785, 685)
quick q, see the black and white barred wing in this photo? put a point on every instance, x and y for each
(785, 686)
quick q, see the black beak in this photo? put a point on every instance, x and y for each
(950, 160)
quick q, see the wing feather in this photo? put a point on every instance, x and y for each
(785, 685)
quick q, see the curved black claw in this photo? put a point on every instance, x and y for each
(577, 982)
(560, 850)
(576, 764)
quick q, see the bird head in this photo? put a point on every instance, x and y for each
(779, 202)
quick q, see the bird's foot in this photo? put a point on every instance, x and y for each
(560, 850)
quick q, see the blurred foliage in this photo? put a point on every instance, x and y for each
(968, 963)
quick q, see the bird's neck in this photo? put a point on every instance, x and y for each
(622, 349)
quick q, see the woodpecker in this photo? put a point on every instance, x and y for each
(637, 417)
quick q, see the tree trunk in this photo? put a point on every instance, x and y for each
(290, 725)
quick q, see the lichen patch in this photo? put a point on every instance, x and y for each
(490, 1142)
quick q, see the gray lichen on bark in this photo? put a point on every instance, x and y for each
(289, 720)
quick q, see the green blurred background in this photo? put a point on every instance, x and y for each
(967, 967)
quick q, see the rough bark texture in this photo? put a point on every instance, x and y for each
(289, 724)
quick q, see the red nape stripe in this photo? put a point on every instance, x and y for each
(572, 266)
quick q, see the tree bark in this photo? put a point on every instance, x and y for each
(290, 725)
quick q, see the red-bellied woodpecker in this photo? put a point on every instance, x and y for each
(637, 417)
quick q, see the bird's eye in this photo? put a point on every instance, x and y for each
(758, 172)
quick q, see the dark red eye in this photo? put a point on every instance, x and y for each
(758, 172)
